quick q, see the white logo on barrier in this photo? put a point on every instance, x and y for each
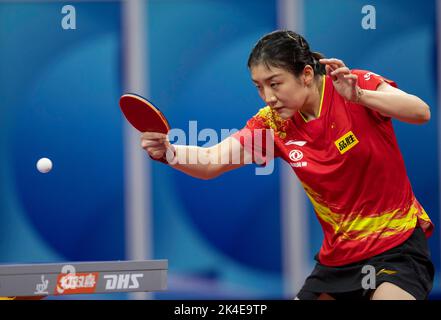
(69, 281)
(67, 269)
(41, 288)
(122, 281)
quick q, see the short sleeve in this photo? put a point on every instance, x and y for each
(258, 139)
(370, 81)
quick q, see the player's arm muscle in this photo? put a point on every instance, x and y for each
(211, 162)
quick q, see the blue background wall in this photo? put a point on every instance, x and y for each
(230, 225)
(59, 93)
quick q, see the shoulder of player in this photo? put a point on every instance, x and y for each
(266, 118)
(262, 118)
(264, 112)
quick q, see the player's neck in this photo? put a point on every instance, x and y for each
(311, 109)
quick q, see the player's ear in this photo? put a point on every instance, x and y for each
(308, 75)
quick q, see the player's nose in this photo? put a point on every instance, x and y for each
(271, 100)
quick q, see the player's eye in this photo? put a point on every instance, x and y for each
(274, 84)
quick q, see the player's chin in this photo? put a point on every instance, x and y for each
(285, 113)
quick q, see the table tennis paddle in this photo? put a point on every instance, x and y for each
(144, 116)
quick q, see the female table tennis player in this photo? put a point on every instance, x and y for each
(351, 167)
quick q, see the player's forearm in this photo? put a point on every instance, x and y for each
(404, 107)
(193, 160)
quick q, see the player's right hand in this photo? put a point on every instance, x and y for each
(155, 144)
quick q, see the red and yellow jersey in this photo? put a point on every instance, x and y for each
(352, 170)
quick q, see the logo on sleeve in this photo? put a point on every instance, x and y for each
(346, 142)
(367, 76)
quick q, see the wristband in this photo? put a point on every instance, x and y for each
(360, 93)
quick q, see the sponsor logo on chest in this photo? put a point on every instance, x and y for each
(346, 142)
(296, 155)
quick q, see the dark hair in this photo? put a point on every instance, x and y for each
(285, 49)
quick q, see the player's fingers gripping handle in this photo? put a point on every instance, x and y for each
(156, 145)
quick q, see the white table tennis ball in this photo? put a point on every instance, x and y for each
(44, 165)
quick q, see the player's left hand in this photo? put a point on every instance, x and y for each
(344, 81)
